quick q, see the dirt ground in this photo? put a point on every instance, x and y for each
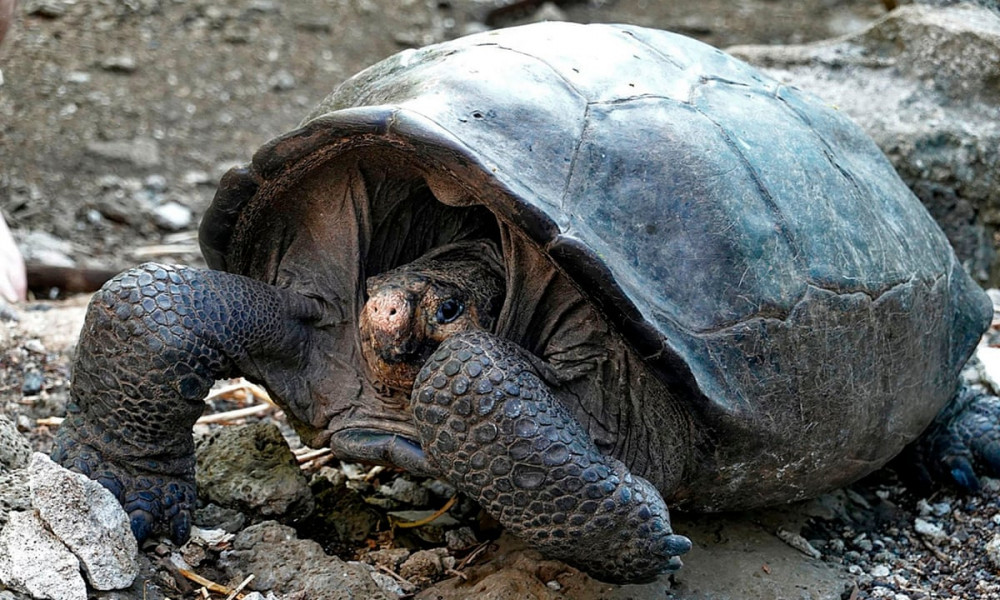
(118, 116)
(112, 109)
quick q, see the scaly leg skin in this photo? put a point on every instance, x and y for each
(154, 341)
(499, 435)
(963, 440)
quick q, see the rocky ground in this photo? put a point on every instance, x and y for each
(116, 119)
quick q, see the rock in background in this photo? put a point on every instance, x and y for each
(924, 82)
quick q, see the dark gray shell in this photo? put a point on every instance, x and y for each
(746, 239)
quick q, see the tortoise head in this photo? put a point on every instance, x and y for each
(412, 309)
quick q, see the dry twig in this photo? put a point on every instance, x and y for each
(236, 591)
(206, 583)
(232, 415)
(472, 556)
(406, 524)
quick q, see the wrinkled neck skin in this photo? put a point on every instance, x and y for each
(410, 310)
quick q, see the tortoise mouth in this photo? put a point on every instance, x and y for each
(382, 447)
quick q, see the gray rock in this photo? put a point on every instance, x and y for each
(284, 564)
(14, 494)
(14, 448)
(45, 248)
(172, 216)
(252, 469)
(213, 516)
(922, 81)
(141, 151)
(34, 561)
(993, 551)
(424, 567)
(87, 518)
(933, 532)
(407, 492)
(461, 539)
(123, 63)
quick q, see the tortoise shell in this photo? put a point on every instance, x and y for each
(748, 242)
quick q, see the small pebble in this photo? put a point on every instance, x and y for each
(33, 382)
(172, 216)
(993, 551)
(282, 81)
(880, 571)
(460, 539)
(124, 63)
(930, 531)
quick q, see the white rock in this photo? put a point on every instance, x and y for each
(35, 562)
(929, 530)
(989, 366)
(172, 216)
(879, 571)
(88, 519)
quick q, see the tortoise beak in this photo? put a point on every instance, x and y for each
(383, 448)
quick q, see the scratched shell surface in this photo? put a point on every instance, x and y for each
(746, 238)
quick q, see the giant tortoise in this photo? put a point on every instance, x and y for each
(579, 271)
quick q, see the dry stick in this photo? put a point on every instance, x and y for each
(395, 575)
(307, 454)
(211, 585)
(374, 473)
(941, 555)
(236, 591)
(426, 520)
(232, 415)
(259, 392)
(473, 555)
(238, 413)
(317, 463)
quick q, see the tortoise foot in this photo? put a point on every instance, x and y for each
(158, 496)
(499, 435)
(963, 441)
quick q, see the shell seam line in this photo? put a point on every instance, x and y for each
(830, 151)
(811, 285)
(779, 218)
(583, 123)
(635, 40)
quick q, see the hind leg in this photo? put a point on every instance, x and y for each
(962, 442)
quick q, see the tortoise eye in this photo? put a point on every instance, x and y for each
(449, 311)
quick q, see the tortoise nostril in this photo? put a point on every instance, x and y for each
(392, 312)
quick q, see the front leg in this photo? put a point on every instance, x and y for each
(498, 434)
(154, 341)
